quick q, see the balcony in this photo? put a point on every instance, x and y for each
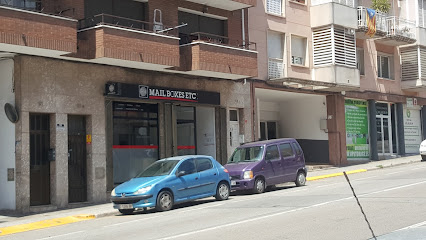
(337, 12)
(390, 30)
(230, 5)
(32, 32)
(413, 68)
(210, 55)
(119, 41)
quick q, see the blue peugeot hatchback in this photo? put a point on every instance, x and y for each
(172, 180)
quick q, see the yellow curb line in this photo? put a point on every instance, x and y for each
(335, 175)
(44, 224)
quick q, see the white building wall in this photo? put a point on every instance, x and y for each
(7, 136)
(300, 118)
(269, 111)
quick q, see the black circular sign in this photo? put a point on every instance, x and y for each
(11, 113)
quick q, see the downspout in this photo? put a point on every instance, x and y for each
(243, 26)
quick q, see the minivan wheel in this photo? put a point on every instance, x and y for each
(164, 201)
(222, 191)
(126, 211)
(259, 185)
(423, 157)
(301, 179)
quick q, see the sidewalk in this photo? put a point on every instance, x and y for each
(37, 221)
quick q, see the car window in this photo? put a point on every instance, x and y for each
(286, 150)
(272, 153)
(204, 164)
(188, 166)
(297, 147)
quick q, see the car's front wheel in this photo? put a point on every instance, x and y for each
(259, 185)
(222, 191)
(126, 211)
(164, 201)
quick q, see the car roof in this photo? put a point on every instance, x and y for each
(183, 157)
(266, 142)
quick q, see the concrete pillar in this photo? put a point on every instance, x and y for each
(400, 128)
(372, 130)
(59, 168)
(22, 156)
(336, 129)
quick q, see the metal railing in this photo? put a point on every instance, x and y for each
(401, 27)
(128, 23)
(275, 68)
(381, 20)
(215, 39)
(349, 3)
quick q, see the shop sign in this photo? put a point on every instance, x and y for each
(159, 93)
(412, 130)
(356, 120)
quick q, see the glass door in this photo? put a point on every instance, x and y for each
(185, 131)
(384, 129)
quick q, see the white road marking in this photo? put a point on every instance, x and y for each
(72, 233)
(285, 212)
(412, 226)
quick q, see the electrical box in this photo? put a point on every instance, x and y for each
(323, 125)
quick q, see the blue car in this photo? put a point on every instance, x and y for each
(172, 180)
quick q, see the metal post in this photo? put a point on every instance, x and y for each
(400, 128)
(373, 130)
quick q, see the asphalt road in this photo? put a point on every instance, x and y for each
(394, 200)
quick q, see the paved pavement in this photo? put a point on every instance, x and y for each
(27, 222)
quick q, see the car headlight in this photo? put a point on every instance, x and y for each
(113, 193)
(143, 190)
(248, 175)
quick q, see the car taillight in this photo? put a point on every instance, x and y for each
(225, 170)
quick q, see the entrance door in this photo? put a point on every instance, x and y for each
(234, 130)
(77, 184)
(185, 131)
(39, 162)
(384, 129)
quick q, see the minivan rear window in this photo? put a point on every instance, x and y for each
(247, 154)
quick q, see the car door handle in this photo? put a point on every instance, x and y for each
(196, 178)
(215, 174)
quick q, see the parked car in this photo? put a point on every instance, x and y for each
(422, 149)
(255, 166)
(172, 180)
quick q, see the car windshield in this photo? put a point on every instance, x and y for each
(247, 154)
(159, 168)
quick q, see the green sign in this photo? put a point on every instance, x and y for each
(356, 121)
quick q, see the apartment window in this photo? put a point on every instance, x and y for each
(27, 4)
(274, 7)
(275, 55)
(298, 1)
(360, 60)
(422, 13)
(385, 66)
(298, 50)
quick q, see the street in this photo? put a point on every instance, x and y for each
(392, 198)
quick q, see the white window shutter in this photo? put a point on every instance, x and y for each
(274, 6)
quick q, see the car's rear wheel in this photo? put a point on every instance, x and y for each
(222, 191)
(259, 185)
(126, 211)
(300, 179)
(423, 157)
(164, 201)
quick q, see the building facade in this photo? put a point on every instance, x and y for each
(347, 95)
(104, 88)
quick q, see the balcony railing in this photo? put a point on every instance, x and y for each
(381, 20)
(401, 27)
(128, 23)
(215, 39)
(275, 68)
(349, 3)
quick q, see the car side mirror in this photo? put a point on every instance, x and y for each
(180, 174)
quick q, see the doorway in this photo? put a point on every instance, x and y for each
(268, 130)
(384, 129)
(185, 133)
(77, 171)
(39, 161)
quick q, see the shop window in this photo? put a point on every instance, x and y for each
(298, 50)
(385, 66)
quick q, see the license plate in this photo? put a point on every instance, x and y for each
(233, 183)
(125, 206)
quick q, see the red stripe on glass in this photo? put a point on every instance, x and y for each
(134, 147)
(185, 147)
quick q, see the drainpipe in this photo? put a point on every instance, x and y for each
(243, 27)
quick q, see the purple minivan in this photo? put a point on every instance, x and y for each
(257, 165)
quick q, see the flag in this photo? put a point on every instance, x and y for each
(371, 22)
